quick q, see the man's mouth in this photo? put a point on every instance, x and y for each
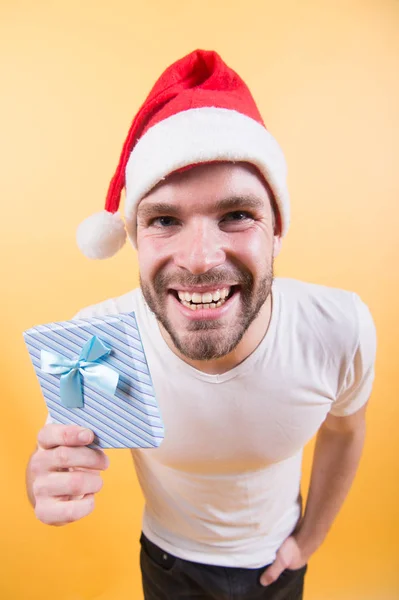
(210, 299)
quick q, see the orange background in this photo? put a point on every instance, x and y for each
(73, 73)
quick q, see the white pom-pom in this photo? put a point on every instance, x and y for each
(101, 235)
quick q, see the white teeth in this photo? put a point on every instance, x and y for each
(203, 306)
(207, 297)
(197, 298)
(206, 300)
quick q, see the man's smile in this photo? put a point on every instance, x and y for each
(203, 298)
(206, 305)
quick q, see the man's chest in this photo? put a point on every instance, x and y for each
(245, 423)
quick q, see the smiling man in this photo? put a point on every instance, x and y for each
(246, 367)
(206, 264)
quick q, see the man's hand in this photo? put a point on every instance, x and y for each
(289, 556)
(63, 474)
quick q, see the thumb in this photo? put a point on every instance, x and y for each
(274, 571)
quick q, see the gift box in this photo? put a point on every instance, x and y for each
(94, 373)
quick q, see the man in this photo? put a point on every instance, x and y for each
(246, 369)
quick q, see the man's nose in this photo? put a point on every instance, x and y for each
(199, 249)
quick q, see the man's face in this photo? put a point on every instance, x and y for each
(205, 247)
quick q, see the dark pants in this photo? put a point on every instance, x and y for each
(166, 577)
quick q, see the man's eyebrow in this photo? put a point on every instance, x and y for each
(225, 204)
(157, 208)
(237, 202)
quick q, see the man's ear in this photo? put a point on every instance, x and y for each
(277, 242)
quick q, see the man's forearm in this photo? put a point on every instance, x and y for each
(336, 458)
(335, 462)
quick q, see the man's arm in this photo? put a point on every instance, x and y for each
(338, 449)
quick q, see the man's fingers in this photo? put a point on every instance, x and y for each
(53, 435)
(273, 572)
(64, 457)
(75, 483)
(59, 512)
(67, 473)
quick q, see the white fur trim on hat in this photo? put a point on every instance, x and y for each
(101, 235)
(201, 135)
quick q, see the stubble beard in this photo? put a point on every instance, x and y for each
(203, 339)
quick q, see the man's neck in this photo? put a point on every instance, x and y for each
(250, 341)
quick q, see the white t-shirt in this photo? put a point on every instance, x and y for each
(223, 487)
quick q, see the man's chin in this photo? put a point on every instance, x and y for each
(203, 341)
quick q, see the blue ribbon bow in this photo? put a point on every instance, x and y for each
(98, 375)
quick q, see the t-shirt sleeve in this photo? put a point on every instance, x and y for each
(358, 381)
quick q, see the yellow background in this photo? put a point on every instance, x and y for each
(73, 73)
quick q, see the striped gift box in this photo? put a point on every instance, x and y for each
(130, 418)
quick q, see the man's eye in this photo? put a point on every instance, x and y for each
(164, 221)
(238, 215)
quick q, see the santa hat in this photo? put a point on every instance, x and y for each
(198, 111)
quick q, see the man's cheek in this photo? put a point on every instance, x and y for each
(146, 269)
(150, 263)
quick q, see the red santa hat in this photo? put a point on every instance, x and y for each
(198, 111)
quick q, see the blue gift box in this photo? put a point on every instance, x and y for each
(94, 373)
